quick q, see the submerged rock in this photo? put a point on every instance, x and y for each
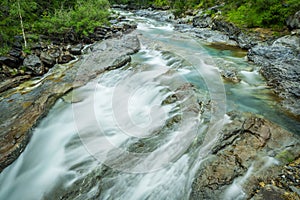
(230, 75)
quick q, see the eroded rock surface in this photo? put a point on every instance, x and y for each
(251, 150)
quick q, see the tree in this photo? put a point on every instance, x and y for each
(21, 21)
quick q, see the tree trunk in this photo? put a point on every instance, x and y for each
(22, 26)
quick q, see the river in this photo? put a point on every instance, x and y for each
(141, 131)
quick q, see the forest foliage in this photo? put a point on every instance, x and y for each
(48, 17)
(59, 16)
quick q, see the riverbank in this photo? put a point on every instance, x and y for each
(39, 57)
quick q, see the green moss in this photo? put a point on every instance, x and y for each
(285, 156)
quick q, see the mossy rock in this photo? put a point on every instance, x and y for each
(286, 156)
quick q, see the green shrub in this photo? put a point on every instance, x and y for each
(262, 13)
(82, 18)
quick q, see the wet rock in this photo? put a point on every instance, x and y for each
(293, 22)
(183, 27)
(264, 54)
(289, 41)
(270, 192)
(99, 33)
(12, 82)
(244, 156)
(230, 76)
(285, 185)
(165, 16)
(33, 63)
(121, 61)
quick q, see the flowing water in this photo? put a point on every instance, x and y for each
(142, 130)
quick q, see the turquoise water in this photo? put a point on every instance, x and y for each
(252, 94)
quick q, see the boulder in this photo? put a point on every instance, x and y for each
(264, 55)
(71, 37)
(17, 45)
(36, 46)
(33, 63)
(47, 59)
(290, 41)
(56, 40)
(202, 21)
(9, 61)
(215, 37)
(226, 27)
(86, 40)
(293, 22)
(76, 49)
(100, 33)
(65, 59)
(15, 53)
(54, 52)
